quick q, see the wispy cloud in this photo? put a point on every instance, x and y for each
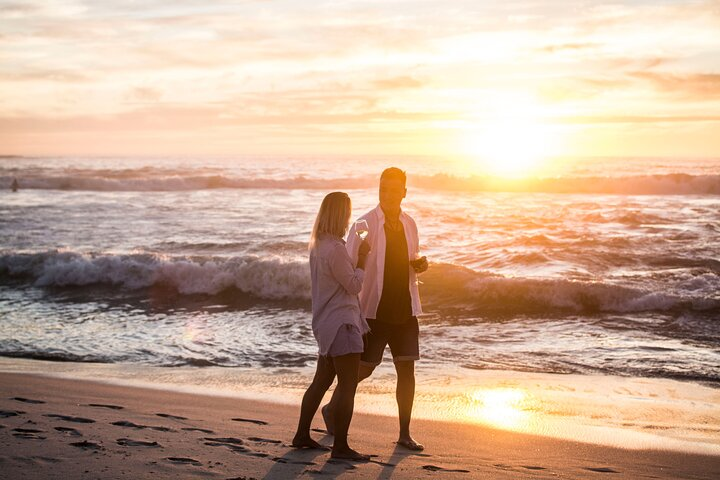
(351, 67)
(700, 86)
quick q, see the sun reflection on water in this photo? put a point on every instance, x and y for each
(506, 408)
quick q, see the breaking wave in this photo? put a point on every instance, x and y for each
(269, 278)
(160, 180)
(446, 288)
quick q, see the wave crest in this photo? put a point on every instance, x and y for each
(446, 288)
(467, 292)
(269, 277)
(144, 180)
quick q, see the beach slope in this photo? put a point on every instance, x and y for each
(60, 428)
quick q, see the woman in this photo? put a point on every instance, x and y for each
(337, 323)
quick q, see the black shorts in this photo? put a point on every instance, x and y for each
(403, 339)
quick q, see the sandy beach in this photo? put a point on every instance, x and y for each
(60, 428)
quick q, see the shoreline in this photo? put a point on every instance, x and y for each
(625, 412)
(167, 441)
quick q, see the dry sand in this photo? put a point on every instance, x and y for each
(59, 428)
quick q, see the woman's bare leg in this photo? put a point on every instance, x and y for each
(324, 377)
(346, 367)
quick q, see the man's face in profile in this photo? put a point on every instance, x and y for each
(392, 192)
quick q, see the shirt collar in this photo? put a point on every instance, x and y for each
(381, 215)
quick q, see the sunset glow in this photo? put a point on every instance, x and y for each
(631, 78)
(500, 407)
(513, 140)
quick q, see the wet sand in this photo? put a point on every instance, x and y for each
(60, 428)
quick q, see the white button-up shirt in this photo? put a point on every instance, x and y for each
(375, 266)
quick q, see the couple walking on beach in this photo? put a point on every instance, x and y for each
(364, 297)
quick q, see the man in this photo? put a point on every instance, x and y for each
(389, 298)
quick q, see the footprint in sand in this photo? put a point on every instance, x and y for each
(103, 405)
(69, 431)
(434, 468)
(234, 444)
(234, 448)
(532, 467)
(125, 423)
(69, 418)
(294, 462)
(85, 445)
(167, 415)
(27, 400)
(231, 440)
(263, 440)
(250, 420)
(10, 413)
(258, 454)
(28, 433)
(126, 442)
(27, 430)
(342, 463)
(184, 461)
(601, 469)
(195, 429)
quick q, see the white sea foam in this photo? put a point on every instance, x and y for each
(273, 277)
(265, 277)
(143, 180)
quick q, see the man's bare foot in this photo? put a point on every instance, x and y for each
(348, 453)
(307, 442)
(410, 444)
(328, 418)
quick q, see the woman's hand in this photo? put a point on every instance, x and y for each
(364, 248)
(363, 251)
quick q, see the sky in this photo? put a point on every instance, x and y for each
(558, 78)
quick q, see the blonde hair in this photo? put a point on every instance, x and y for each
(333, 217)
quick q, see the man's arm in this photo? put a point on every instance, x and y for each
(420, 265)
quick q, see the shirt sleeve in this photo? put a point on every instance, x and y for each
(343, 271)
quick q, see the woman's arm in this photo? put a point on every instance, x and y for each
(342, 270)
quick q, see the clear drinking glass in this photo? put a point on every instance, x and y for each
(362, 229)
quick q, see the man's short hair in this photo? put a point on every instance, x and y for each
(394, 173)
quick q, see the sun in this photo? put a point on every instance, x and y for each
(511, 140)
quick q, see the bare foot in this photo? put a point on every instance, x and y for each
(307, 442)
(348, 453)
(410, 444)
(328, 418)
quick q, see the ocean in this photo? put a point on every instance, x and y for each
(604, 266)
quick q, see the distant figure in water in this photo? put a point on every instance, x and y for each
(389, 299)
(337, 324)
(14, 186)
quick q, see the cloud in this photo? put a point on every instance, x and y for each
(697, 86)
(50, 75)
(638, 119)
(143, 95)
(567, 46)
(397, 83)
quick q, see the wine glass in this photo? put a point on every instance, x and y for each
(362, 229)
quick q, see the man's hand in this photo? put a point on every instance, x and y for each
(420, 265)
